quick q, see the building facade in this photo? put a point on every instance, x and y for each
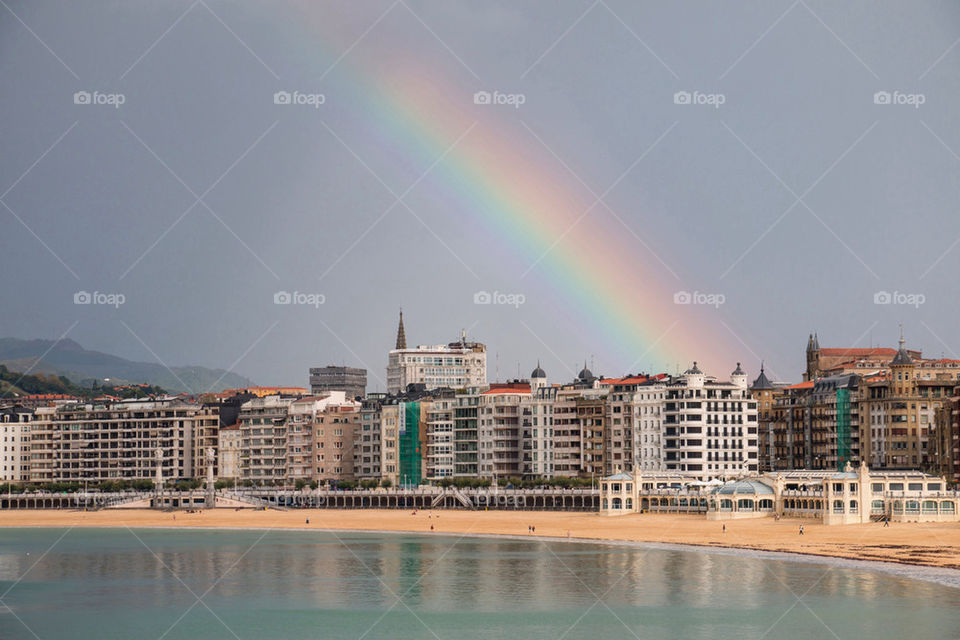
(351, 380)
(710, 427)
(456, 365)
(97, 442)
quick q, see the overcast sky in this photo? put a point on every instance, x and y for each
(795, 192)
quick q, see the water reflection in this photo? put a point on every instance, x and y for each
(346, 581)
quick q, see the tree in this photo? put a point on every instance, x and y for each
(386, 483)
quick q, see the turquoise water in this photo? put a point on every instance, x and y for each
(119, 583)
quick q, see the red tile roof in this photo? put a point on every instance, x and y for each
(802, 385)
(508, 387)
(859, 353)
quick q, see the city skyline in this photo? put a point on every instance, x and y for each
(607, 181)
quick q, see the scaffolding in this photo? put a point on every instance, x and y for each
(843, 428)
(411, 460)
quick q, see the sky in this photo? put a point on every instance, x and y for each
(261, 187)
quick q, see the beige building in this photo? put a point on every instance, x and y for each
(263, 456)
(229, 441)
(116, 441)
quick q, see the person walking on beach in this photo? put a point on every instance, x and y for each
(724, 528)
(886, 522)
(801, 529)
(308, 520)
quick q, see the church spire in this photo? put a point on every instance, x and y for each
(401, 335)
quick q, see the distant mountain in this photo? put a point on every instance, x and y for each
(67, 358)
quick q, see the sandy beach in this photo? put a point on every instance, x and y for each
(932, 545)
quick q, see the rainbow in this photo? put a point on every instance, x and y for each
(499, 175)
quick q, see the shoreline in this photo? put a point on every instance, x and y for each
(929, 551)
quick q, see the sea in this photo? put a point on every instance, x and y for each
(158, 584)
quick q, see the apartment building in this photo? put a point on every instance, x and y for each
(117, 440)
(439, 436)
(635, 416)
(263, 433)
(537, 427)
(367, 446)
(899, 408)
(15, 453)
(320, 436)
(710, 426)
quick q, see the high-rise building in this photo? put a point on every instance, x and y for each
(710, 427)
(351, 380)
(456, 365)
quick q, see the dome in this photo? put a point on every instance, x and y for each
(538, 372)
(744, 487)
(585, 374)
(694, 370)
(738, 371)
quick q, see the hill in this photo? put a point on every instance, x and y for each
(68, 359)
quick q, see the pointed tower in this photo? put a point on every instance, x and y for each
(813, 357)
(401, 334)
(902, 369)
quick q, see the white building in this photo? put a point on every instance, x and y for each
(636, 414)
(457, 365)
(15, 453)
(710, 427)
